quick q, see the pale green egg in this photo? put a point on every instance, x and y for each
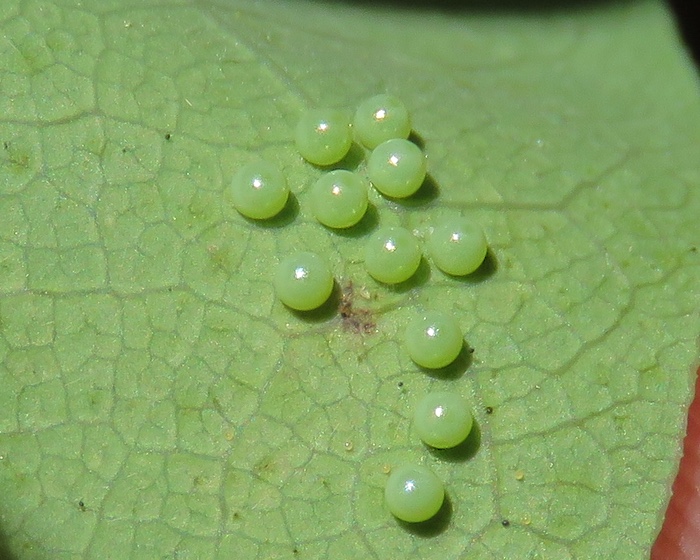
(413, 493)
(303, 281)
(323, 136)
(433, 339)
(392, 255)
(258, 190)
(457, 246)
(397, 168)
(381, 118)
(442, 419)
(339, 198)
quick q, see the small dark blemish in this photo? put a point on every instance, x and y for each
(359, 321)
(471, 350)
(489, 410)
(123, 150)
(168, 136)
(6, 145)
(400, 384)
(295, 550)
(505, 523)
(81, 505)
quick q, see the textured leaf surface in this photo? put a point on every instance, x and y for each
(158, 402)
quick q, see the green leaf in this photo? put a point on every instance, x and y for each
(158, 401)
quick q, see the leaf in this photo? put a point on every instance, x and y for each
(158, 401)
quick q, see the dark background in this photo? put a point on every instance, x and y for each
(688, 18)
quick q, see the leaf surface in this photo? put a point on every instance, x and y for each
(158, 401)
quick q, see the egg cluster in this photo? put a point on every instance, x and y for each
(396, 168)
(441, 419)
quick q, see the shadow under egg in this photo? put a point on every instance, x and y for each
(433, 526)
(462, 452)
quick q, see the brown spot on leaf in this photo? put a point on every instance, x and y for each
(355, 319)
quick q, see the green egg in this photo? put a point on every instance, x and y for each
(381, 118)
(457, 246)
(413, 493)
(392, 255)
(258, 190)
(433, 340)
(303, 281)
(339, 199)
(442, 419)
(323, 136)
(397, 168)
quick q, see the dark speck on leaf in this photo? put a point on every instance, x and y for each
(489, 410)
(505, 523)
(167, 136)
(81, 505)
(400, 384)
(359, 321)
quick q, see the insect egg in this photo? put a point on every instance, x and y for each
(434, 340)
(381, 118)
(397, 168)
(339, 199)
(392, 255)
(258, 190)
(442, 419)
(457, 246)
(323, 136)
(303, 281)
(413, 493)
